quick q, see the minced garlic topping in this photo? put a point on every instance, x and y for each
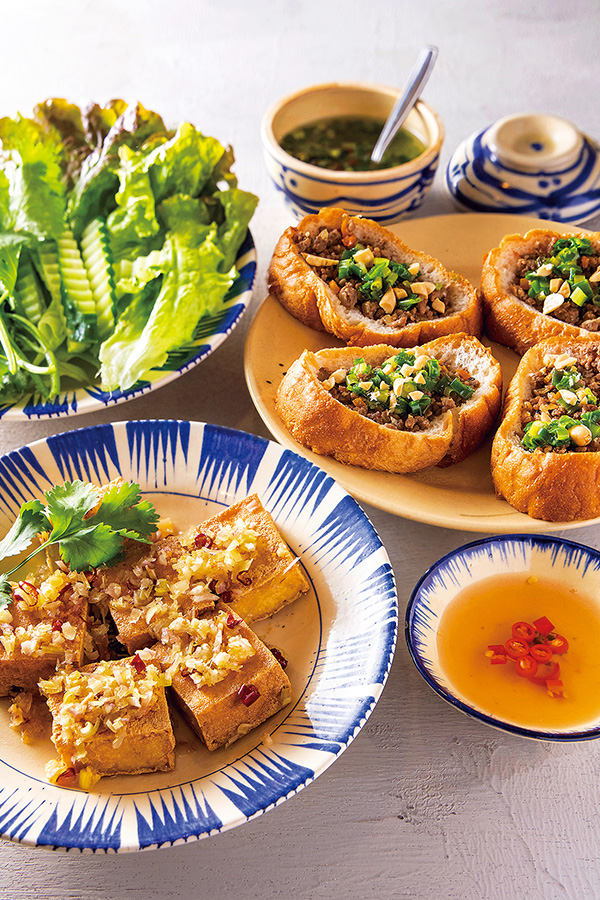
(57, 597)
(104, 699)
(229, 553)
(205, 649)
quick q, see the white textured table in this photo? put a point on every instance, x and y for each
(425, 803)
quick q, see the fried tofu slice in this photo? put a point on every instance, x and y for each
(223, 678)
(275, 577)
(109, 718)
(237, 554)
(44, 625)
(144, 588)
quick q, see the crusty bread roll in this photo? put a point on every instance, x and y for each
(557, 487)
(509, 320)
(328, 427)
(309, 298)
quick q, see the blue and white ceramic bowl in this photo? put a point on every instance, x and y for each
(210, 333)
(339, 638)
(386, 195)
(535, 165)
(572, 565)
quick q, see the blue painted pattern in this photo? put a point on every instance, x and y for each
(356, 605)
(480, 182)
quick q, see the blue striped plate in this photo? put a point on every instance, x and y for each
(339, 638)
(574, 566)
(210, 332)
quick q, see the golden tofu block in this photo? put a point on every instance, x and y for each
(137, 591)
(275, 577)
(119, 587)
(35, 641)
(146, 745)
(222, 712)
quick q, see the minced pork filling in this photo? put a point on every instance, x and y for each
(562, 414)
(562, 279)
(405, 393)
(363, 278)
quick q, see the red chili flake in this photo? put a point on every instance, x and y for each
(279, 657)
(248, 694)
(67, 777)
(138, 664)
(244, 578)
(233, 620)
(555, 687)
(544, 626)
(203, 540)
(226, 596)
(57, 625)
(497, 654)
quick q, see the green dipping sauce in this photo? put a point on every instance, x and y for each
(345, 143)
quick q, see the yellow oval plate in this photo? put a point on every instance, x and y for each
(459, 497)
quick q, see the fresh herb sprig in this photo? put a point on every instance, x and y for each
(88, 525)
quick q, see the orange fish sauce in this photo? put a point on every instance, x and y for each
(483, 615)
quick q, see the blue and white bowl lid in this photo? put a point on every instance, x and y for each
(340, 638)
(529, 165)
(503, 554)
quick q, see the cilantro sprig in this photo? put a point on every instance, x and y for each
(88, 526)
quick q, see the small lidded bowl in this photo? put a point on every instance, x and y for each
(505, 630)
(528, 164)
(385, 195)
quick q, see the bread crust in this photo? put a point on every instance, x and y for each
(307, 297)
(508, 320)
(320, 422)
(557, 487)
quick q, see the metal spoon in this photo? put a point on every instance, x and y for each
(405, 102)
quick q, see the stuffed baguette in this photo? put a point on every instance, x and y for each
(546, 452)
(541, 285)
(351, 277)
(390, 409)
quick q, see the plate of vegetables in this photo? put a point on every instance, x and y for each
(125, 255)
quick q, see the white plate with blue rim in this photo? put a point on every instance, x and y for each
(339, 638)
(574, 567)
(210, 333)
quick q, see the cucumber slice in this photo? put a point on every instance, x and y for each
(29, 297)
(78, 300)
(47, 253)
(97, 260)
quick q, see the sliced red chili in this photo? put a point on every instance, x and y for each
(542, 653)
(555, 687)
(248, 694)
(526, 666)
(57, 625)
(232, 620)
(544, 626)
(523, 631)
(138, 664)
(559, 644)
(546, 671)
(203, 540)
(516, 649)
(497, 654)
(283, 661)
